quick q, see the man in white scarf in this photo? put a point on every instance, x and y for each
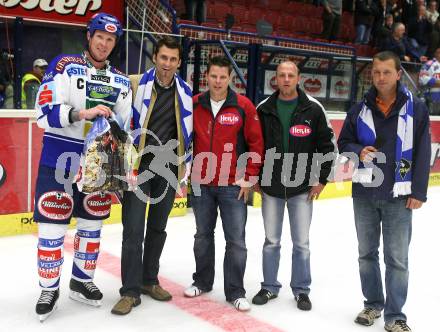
(389, 133)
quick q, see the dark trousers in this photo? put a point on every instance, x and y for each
(196, 10)
(136, 268)
(233, 213)
(331, 24)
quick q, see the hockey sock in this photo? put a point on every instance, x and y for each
(50, 254)
(86, 247)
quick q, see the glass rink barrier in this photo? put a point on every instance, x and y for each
(20, 148)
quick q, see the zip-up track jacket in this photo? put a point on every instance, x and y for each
(310, 134)
(233, 131)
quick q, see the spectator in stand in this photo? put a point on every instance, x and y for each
(31, 83)
(400, 45)
(384, 32)
(382, 9)
(6, 79)
(419, 30)
(3, 81)
(432, 13)
(196, 10)
(409, 8)
(347, 5)
(363, 20)
(429, 80)
(331, 18)
(396, 10)
(432, 16)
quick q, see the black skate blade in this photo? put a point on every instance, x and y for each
(76, 296)
(43, 317)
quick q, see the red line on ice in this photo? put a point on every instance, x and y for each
(218, 314)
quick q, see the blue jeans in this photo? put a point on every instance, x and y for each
(395, 220)
(362, 34)
(421, 49)
(233, 213)
(300, 217)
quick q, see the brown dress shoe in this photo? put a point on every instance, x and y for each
(125, 304)
(156, 292)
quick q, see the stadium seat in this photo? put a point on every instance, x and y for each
(238, 2)
(221, 9)
(315, 26)
(272, 17)
(293, 7)
(255, 14)
(187, 22)
(285, 23)
(276, 4)
(212, 25)
(347, 18)
(248, 27)
(301, 25)
(347, 32)
(240, 13)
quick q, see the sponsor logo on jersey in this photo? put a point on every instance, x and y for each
(98, 204)
(104, 92)
(101, 78)
(117, 71)
(122, 80)
(55, 205)
(76, 242)
(68, 59)
(300, 131)
(49, 263)
(229, 119)
(92, 248)
(49, 255)
(46, 95)
(51, 243)
(48, 77)
(47, 273)
(76, 71)
(110, 27)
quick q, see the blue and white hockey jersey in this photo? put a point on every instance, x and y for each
(71, 82)
(429, 73)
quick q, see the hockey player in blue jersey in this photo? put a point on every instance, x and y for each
(76, 89)
(429, 79)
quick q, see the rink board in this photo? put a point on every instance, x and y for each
(20, 150)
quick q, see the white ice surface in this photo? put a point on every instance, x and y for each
(335, 289)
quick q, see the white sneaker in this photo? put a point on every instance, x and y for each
(241, 304)
(192, 291)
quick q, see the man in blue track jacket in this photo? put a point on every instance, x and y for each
(388, 131)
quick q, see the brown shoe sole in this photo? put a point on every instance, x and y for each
(157, 298)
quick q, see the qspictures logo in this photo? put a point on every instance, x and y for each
(2, 175)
